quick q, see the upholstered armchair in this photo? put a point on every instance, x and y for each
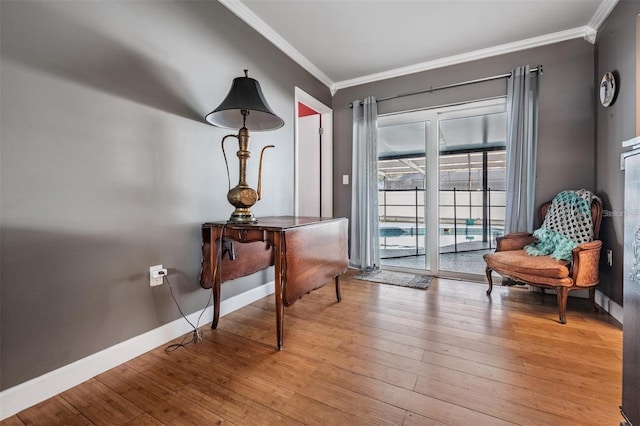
(581, 272)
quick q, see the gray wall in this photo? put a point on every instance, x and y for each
(107, 166)
(615, 51)
(566, 122)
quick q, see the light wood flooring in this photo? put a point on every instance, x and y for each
(385, 355)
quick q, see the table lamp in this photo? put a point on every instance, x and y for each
(244, 108)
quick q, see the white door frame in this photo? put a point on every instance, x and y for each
(326, 153)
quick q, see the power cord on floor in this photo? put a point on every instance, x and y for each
(196, 334)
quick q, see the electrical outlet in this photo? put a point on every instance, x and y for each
(610, 257)
(156, 275)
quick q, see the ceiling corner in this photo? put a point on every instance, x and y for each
(590, 34)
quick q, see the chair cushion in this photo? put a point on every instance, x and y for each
(533, 269)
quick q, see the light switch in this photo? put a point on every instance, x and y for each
(345, 179)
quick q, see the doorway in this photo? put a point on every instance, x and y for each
(313, 151)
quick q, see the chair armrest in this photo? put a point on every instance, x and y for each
(514, 241)
(585, 267)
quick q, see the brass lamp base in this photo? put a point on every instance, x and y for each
(242, 216)
(242, 198)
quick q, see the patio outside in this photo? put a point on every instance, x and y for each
(469, 219)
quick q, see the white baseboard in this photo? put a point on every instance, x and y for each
(27, 394)
(609, 305)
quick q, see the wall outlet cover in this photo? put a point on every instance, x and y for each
(155, 278)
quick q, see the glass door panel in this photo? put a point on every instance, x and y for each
(472, 169)
(402, 200)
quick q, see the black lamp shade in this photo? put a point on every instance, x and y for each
(245, 94)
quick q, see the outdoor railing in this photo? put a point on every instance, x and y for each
(462, 212)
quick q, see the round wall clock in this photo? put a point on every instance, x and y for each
(607, 89)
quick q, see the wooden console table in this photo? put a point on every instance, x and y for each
(307, 252)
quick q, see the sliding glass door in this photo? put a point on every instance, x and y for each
(441, 187)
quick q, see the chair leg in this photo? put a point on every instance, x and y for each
(592, 299)
(338, 295)
(489, 280)
(563, 295)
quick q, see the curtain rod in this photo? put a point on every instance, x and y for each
(449, 86)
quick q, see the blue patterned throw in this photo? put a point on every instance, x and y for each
(567, 223)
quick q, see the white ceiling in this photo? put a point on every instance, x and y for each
(349, 42)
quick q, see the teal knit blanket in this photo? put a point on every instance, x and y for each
(567, 223)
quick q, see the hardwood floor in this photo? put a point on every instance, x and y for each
(385, 355)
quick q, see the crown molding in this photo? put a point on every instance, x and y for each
(601, 14)
(251, 19)
(579, 32)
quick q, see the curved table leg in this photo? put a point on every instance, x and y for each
(279, 290)
(216, 303)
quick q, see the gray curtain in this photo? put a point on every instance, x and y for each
(522, 139)
(365, 244)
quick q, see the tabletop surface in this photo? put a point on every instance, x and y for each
(275, 222)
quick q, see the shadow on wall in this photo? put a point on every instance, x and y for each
(44, 40)
(228, 33)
